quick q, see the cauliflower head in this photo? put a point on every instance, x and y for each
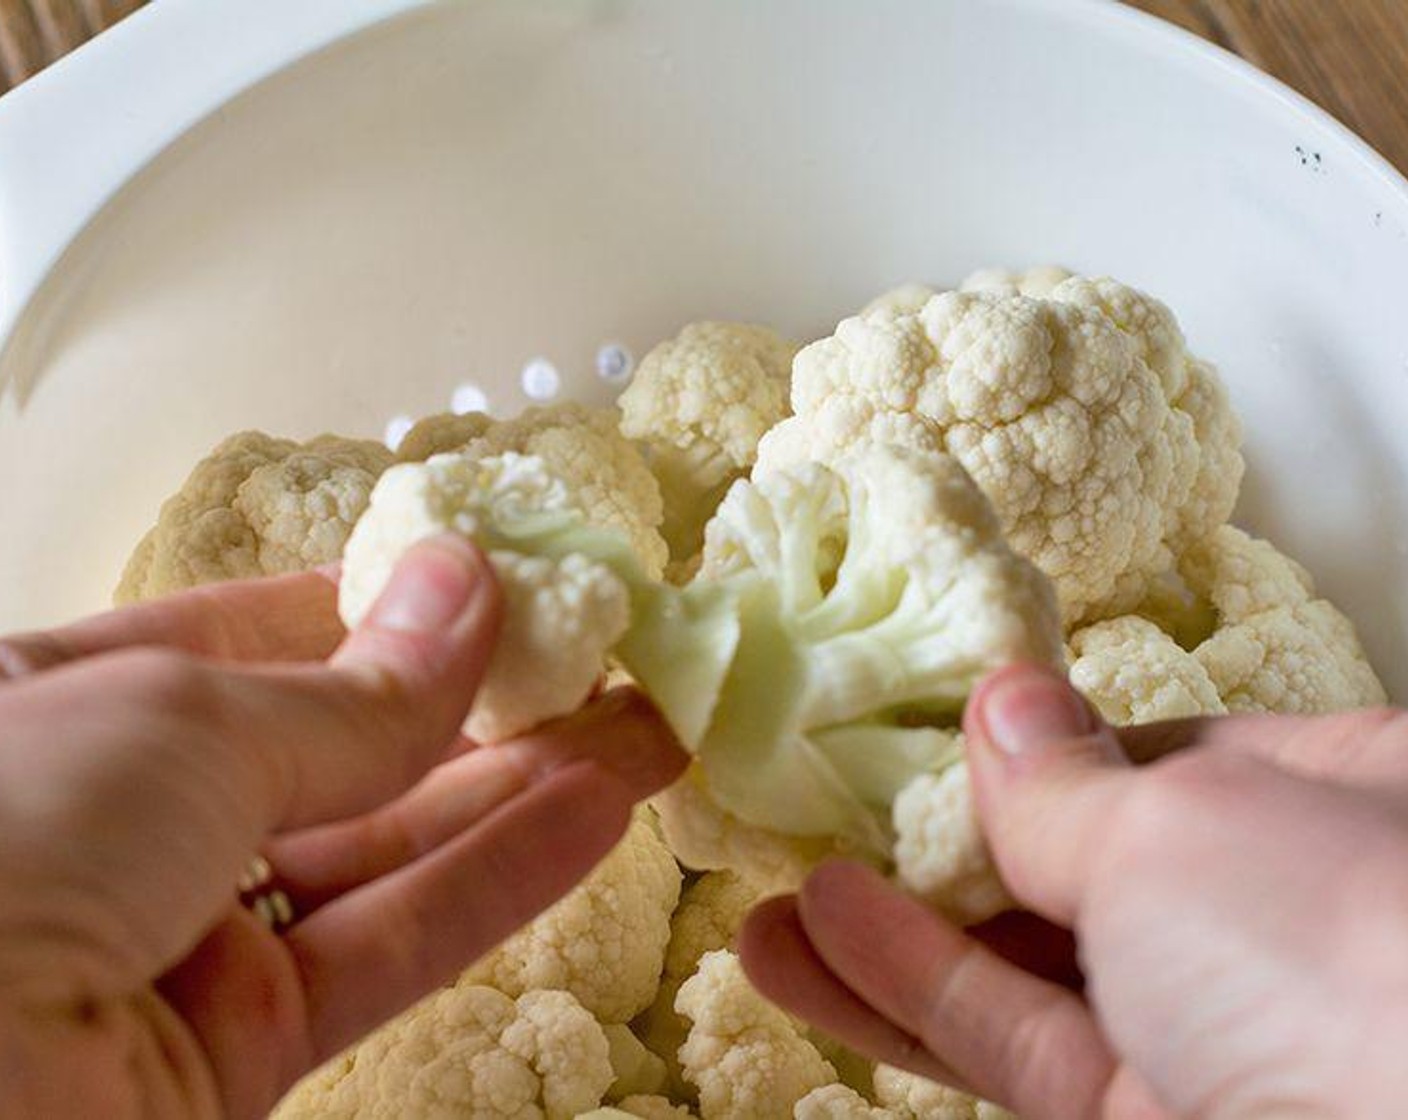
(562, 613)
(699, 404)
(465, 1051)
(747, 1058)
(1275, 646)
(255, 506)
(1105, 446)
(605, 475)
(605, 941)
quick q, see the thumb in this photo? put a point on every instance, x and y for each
(1047, 774)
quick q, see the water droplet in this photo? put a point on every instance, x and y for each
(396, 429)
(469, 397)
(541, 381)
(614, 362)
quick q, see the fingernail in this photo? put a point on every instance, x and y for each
(1026, 711)
(430, 589)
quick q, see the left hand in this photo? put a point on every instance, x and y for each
(146, 755)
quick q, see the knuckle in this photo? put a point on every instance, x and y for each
(170, 682)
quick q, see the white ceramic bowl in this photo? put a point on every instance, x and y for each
(219, 229)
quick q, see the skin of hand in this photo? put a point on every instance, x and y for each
(147, 754)
(1239, 907)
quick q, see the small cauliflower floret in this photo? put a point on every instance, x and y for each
(839, 1102)
(699, 404)
(709, 916)
(747, 1058)
(255, 506)
(1106, 448)
(1275, 646)
(605, 941)
(911, 1097)
(639, 1072)
(562, 615)
(1135, 673)
(940, 854)
(1038, 282)
(605, 475)
(465, 1051)
(906, 299)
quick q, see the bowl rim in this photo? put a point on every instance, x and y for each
(46, 203)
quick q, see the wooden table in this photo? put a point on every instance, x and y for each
(1349, 55)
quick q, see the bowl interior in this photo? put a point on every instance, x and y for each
(491, 196)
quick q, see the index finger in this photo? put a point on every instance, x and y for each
(281, 618)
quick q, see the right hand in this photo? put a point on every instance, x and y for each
(1240, 909)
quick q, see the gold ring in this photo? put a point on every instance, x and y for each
(260, 897)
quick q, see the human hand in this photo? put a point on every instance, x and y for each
(1240, 909)
(147, 754)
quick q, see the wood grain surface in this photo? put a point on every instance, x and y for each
(1351, 56)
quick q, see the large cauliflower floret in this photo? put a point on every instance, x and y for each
(911, 1097)
(747, 1058)
(1275, 646)
(465, 1051)
(940, 854)
(605, 475)
(255, 506)
(708, 918)
(1104, 446)
(700, 403)
(562, 614)
(1133, 673)
(605, 941)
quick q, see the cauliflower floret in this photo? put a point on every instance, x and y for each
(912, 1097)
(940, 854)
(562, 615)
(709, 916)
(639, 1072)
(1275, 646)
(465, 1051)
(606, 477)
(700, 403)
(1135, 673)
(255, 506)
(747, 1057)
(1037, 282)
(1102, 466)
(906, 299)
(840, 1102)
(605, 941)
